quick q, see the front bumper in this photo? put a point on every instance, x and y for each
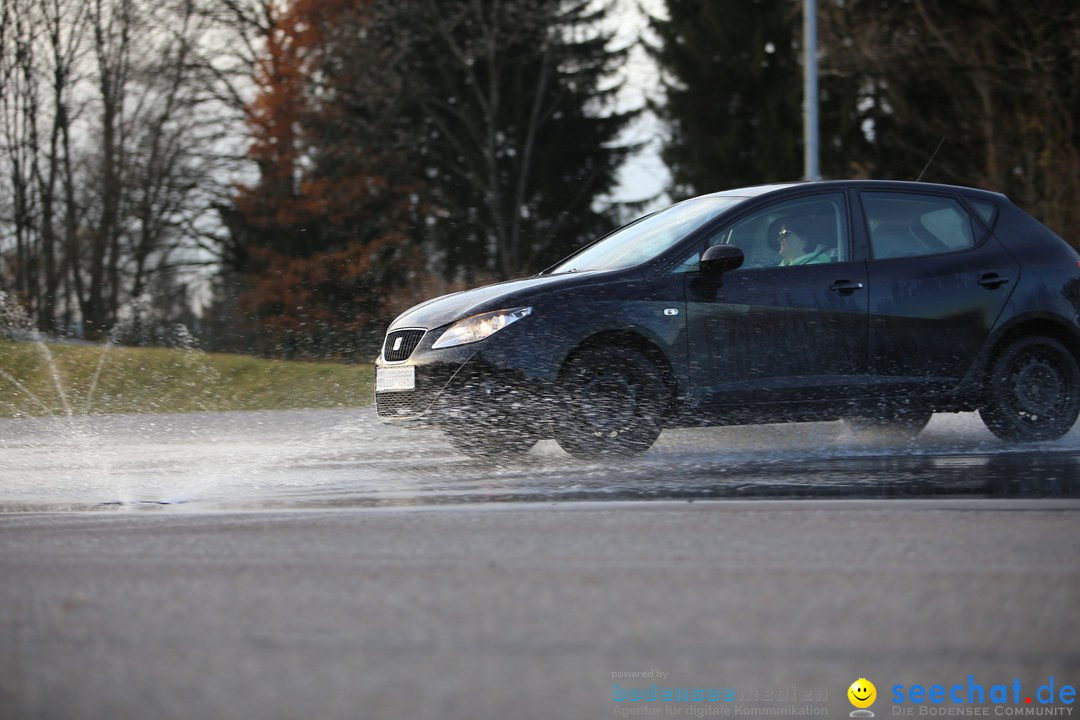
(475, 392)
(507, 376)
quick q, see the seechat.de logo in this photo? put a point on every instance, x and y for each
(1010, 698)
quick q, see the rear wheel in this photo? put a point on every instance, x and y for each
(613, 402)
(1034, 391)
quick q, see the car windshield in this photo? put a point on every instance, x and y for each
(647, 238)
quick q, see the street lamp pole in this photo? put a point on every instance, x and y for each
(811, 156)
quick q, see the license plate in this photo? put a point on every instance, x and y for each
(399, 379)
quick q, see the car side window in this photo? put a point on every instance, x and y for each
(822, 220)
(986, 211)
(909, 225)
(796, 232)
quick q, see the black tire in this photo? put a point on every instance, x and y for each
(1033, 391)
(487, 442)
(904, 425)
(613, 401)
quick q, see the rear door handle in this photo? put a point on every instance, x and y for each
(845, 287)
(992, 281)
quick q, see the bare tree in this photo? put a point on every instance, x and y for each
(62, 28)
(998, 81)
(115, 147)
(20, 105)
(224, 63)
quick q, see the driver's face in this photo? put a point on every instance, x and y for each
(791, 244)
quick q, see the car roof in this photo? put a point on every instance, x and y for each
(757, 190)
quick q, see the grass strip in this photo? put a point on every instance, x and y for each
(57, 378)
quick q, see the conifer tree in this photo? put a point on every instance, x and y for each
(395, 138)
(499, 116)
(733, 95)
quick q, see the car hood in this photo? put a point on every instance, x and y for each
(513, 293)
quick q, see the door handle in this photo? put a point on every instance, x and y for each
(992, 281)
(845, 287)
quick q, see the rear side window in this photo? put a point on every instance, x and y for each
(985, 210)
(909, 225)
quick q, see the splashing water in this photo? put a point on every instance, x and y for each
(16, 324)
(13, 319)
(59, 411)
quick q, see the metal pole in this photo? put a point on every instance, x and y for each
(811, 161)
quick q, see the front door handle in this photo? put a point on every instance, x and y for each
(992, 281)
(845, 287)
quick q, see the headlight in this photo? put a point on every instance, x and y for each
(478, 327)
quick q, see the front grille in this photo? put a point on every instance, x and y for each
(400, 344)
(397, 404)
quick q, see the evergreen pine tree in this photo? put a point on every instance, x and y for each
(733, 84)
(733, 93)
(479, 132)
(498, 117)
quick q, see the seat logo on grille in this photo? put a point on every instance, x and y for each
(397, 343)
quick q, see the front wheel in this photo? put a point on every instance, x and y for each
(1033, 392)
(613, 402)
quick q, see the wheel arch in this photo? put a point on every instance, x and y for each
(1035, 325)
(632, 341)
(1040, 404)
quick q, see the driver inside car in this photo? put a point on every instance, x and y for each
(798, 245)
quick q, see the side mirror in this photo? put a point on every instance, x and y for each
(720, 259)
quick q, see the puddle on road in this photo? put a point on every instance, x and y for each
(324, 459)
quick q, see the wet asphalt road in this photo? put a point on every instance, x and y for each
(530, 611)
(320, 565)
(323, 459)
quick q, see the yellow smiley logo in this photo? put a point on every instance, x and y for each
(862, 693)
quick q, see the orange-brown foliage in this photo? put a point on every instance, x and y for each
(321, 256)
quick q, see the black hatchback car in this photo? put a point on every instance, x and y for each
(877, 302)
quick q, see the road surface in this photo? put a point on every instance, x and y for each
(529, 611)
(320, 565)
(319, 459)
